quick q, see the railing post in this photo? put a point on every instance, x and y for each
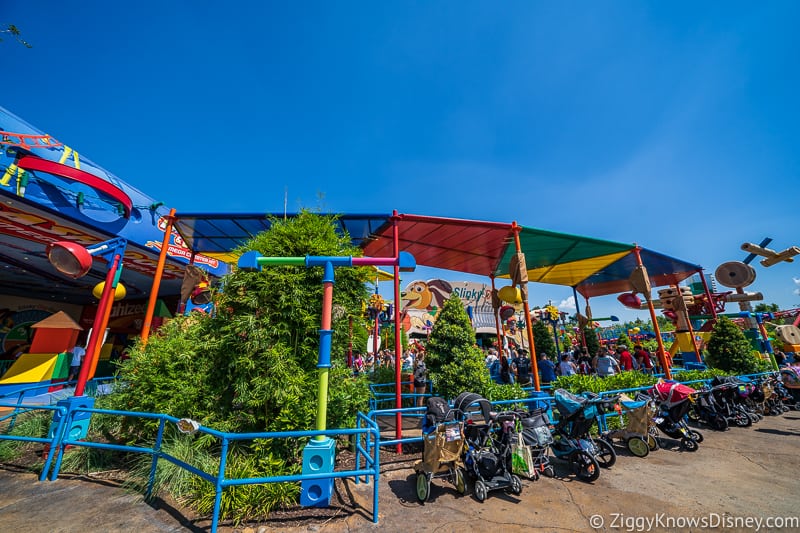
(218, 483)
(156, 454)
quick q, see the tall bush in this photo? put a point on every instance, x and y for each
(455, 364)
(543, 339)
(729, 349)
(251, 367)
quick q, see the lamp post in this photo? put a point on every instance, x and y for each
(75, 261)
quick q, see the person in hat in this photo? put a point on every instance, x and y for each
(522, 368)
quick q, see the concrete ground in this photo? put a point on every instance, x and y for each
(738, 475)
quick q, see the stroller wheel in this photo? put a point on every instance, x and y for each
(696, 436)
(742, 420)
(797, 406)
(516, 485)
(638, 447)
(719, 423)
(423, 487)
(458, 480)
(549, 471)
(652, 443)
(605, 454)
(690, 445)
(584, 466)
(480, 490)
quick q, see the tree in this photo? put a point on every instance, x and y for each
(252, 366)
(665, 324)
(455, 364)
(592, 344)
(14, 32)
(729, 349)
(766, 308)
(624, 340)
(543, 339)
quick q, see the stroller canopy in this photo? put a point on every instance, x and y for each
(567, 403)
(467, 400)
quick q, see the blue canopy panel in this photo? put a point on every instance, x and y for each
(217, 235)
(662, 270)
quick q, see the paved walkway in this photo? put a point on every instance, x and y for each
(737, 474)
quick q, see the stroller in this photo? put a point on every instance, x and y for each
(572, 440)
(730, 393)
(443, 444)
(674, 402)
(488, 443)
(537, 437)
(707, 410)
(790, 386)
(637, 429)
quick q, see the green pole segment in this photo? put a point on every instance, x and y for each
(294, 261)
(322, 402)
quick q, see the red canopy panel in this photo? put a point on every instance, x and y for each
(470, 246)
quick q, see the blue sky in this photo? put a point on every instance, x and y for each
(674, 125)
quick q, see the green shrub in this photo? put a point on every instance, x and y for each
(729, 349)
(578, 383)
(455, 364)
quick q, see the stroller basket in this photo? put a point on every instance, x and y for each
(444, 445)
(536, 429)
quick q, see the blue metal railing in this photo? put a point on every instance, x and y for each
(367, 442)
(369, 431)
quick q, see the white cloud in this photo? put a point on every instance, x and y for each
(796, 282)
(568, 303)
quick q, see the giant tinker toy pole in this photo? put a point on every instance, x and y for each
(319, 453)
(253, 261)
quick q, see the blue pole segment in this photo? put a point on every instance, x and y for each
(325, 337)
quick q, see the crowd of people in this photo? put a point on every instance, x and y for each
(513, 365)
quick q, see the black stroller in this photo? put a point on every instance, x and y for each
(487, 455)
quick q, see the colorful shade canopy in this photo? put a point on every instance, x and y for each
(594, 267)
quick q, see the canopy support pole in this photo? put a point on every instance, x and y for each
(162, 259)
(536, 385)
(661, 355)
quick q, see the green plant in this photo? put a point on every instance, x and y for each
(729, 349)
(454, 363)
(624, 380)
(34, 423)
(592, 344)
(543, 339)
(624, 340)
(694, 375)
(252, 366)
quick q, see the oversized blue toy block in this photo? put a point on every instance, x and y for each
(79, 422)
(318, 458)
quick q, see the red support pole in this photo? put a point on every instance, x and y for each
(92, 346)
(398, 348)
(499, 342)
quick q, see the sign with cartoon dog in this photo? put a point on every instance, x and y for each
(422, 300)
